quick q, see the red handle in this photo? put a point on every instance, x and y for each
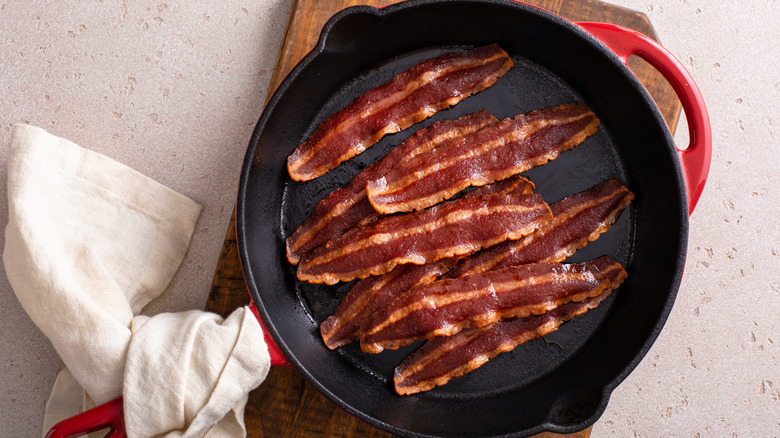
(277, 358)
(696, 158)
(107, 415)
(111, 414)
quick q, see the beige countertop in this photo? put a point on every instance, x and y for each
(174, 91)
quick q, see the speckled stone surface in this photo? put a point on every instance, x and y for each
(173, 90)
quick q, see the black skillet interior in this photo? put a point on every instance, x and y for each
(561, 383)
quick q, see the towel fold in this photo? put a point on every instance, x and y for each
(89, 243)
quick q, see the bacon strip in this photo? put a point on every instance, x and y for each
(491, 154)
(348, 206)
(442, 359)
(445, 307)
(454, 228)
(577, 220)
(373, 293)
(410, 97)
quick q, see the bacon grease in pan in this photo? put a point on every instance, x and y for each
(453, 228)
(444, 358)
(375, 292)
(445, 307)
(408, 98)
(577, 220)
(491, 154)
(345, 207)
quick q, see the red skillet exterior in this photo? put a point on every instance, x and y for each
(534, 388)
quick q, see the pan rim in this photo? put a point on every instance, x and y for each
(281, 90)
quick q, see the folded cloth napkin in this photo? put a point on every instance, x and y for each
(89, 243)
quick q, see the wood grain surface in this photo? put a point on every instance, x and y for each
(285, 405)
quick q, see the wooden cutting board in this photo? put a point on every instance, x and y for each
(285, 405)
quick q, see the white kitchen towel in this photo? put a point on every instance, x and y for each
(89, 243)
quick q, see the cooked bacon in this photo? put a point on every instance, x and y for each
(454, 228)
(444, 358)
(577, 220)
(515, 184)
(445, 307)
(410, 97)
(345, 207)
(491, 154)
(373, 293)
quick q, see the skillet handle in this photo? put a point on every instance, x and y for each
(696, 158)
(277, 358)
(109, 414)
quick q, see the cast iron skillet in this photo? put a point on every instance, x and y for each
(562, 386)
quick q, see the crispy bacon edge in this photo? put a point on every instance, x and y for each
(348, 206)
(408, 98)
(491, 154)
